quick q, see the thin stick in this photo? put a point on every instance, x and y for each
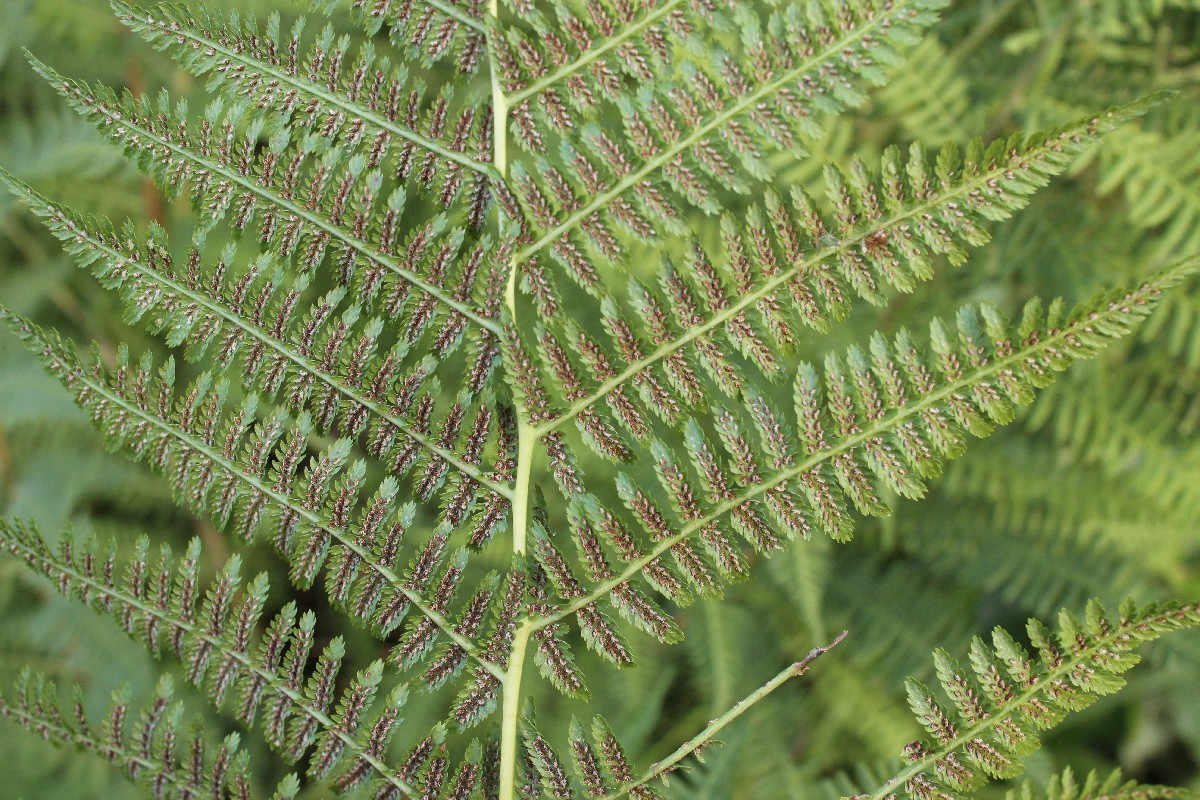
(660, 768)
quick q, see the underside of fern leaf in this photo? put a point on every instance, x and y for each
(1007, 697)
(500, 324)
(152, 754)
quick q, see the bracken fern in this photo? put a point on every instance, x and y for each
(504, 316)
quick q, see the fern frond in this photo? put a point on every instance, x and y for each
(890, 646)
(247, 476)
(600, 764)
(597, 763)
(1148, 423)
(889, 417)
(428, 767)
(547, 769)
(160, 603)
(1160, 180)
(56, 148)
(432, 285)
(434, 31)
(695, 322)
(325, 90)
(932, 98)
(1178, 325)
(410, 330)
(320, 363)
(637, 39)
(1124, 20)
(477, 699)
(1027, 556)
(289, 193)
(1098, 787)
(153, 752)
(256, 319)
(787, 263)
(682, 140)
(998, 709)
(863, 711)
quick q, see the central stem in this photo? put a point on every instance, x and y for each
(510, 729)
(510, 720)
(509, 725)
(499, 100)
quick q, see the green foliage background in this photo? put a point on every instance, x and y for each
(1096, 492)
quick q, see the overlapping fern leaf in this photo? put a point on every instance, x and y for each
(997, 707)
(1068, 787)
(430, 291)
(888, 415)
(153, 753)
(264, 670)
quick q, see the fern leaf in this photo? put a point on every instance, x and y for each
(1144, 421)
(1044, 544)
(411, 329)
(318, 93)
(793, 263)
(239, 472)
(230, 180)
(889, 646)
(252, 319)
(932, 97)
(1159, 179)
(1109, 787)
(997, 709)
(598, 631)
(1022, 553)
(435, 31)
(162, 605)
(637, 40)
(547, 768)
(477, 699)
(1124, 20)
(684, 140)
(153, 751)
(372, 262)
(887, 418)
(599, 764)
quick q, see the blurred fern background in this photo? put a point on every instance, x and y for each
(1096, 493)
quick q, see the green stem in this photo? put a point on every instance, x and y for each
(526, 437)
(520, 502)
(660, 768)
(510, 713)
(499, 121)
(499, 101)
(520, 534)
